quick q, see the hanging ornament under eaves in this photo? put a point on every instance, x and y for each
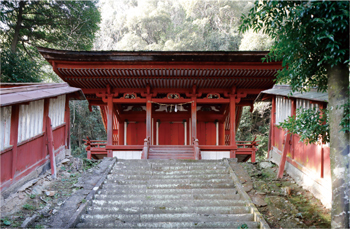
(175, 107)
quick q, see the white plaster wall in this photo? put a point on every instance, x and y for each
(321, 188)
(215, 155)
(127, 154)
(283, 108)
(5, 127)
(30, 120)
(57, 110)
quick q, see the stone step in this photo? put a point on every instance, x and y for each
(172, 167)
(169, 150)
(171, 156)
(167, 203)
(170, 181)
(144, 196)
(122, 191)
(169, 162)
(169, 186)
(151, 172)
(174, 217)
(165, 177)
(169, 209)
(209, 224)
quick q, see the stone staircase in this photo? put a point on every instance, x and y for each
(168, 193)
(170, 152)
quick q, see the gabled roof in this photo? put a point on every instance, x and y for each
(285, 90)
(12, 93)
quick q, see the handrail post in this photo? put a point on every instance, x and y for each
(196, 149)
(88, 147)
(145, 150)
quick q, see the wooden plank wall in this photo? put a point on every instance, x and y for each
(31, 149)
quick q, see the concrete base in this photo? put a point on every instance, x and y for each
(321, 188)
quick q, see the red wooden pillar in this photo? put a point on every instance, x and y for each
(110, 125)
(67, 121)
(222, 133)
(293, 113)
(14, 137)
(121, 133)
(194, 118)
(45, 117)
(233, 126)
(148, 118)
(51, 147)
(272, 125)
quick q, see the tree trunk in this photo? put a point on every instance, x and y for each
(338, 88)
(17, 27)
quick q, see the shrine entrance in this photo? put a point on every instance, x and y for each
(171, 133)
(170, 105)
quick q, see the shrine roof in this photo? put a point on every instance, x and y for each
(13, 93)
(165, 69)
(146, 56)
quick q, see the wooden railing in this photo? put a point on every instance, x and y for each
(94, 146)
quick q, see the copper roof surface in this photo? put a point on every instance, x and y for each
(12, 94)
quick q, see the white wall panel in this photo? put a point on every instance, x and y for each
(30, 120)
(5, 127)
(215, 155)
(127, 154)
(283, 108)
(57, 110)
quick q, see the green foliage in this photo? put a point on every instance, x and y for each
(88, 164)
(16, 67)
(52, 24)
(84, 124)
(253, 124)
(310, 125)
(170, 25)
(309, 35)
(29, 207)
(6, 222)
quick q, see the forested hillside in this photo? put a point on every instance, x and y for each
(193, 25)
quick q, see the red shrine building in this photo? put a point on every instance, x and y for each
(181, 105)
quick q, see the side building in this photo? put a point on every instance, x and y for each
(26, 110)
(308, 164)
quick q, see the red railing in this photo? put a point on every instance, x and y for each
(95, 146)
